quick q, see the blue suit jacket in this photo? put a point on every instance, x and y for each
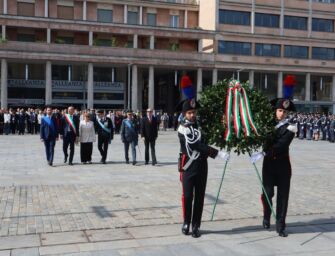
(46, 131)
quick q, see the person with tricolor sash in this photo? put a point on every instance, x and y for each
(69, 130)
(49, 134)
(104, 128)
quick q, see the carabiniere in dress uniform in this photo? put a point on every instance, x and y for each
(193, 167)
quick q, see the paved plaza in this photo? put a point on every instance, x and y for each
(119, 209)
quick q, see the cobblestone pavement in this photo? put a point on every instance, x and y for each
(68, 202)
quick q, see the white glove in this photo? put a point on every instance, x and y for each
(256, 156)
(223, 155)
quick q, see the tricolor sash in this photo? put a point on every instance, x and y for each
(69, 120)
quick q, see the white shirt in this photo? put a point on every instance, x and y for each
(39, 118)
(6, 118)
(86, 132)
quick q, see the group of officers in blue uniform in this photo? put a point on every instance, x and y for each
(193, 166)
(313, 126)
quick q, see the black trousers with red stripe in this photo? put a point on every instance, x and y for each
(194, 182)
(277, 172)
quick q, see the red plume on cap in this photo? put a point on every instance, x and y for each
(289, 83)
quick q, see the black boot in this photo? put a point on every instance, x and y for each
(282, 233)
(281, 230)
(65, 159)
(196, 232)
(185, 229)
(266, 224)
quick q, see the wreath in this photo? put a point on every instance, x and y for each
(235, 117)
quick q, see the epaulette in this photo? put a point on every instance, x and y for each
(184, 130)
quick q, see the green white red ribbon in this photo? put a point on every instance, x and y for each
(238, 108)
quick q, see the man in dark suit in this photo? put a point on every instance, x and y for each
(2, 121)
(129, 136)
(104, 128)
(49, 134)
(69, 131)
(149, 134)
(22, 121)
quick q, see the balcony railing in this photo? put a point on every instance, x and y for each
(68, 85)
(25, 102)
(22, 83)
(190, 2)
(109, 86)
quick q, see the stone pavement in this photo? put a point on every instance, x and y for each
(119, 209)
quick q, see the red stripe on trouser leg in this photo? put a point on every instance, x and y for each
(181, 180)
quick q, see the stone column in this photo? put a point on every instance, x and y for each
(281, 19)
(5, 7)
(3, 32)
(125, 14)
(4, 89)
(215, 76)
(46, 8)
(134, 89)
(140, 22)
(90, 84)
(253, 17)
(48, 35)
(48, 83)
(151, 96)
(251, 78)
(185, 18)
(152, 42)
(135, 40)
(200, 45)
(199, 82)
(90, 38)
(84, 10)
(310, 13)
(280, 85)
(308, 87)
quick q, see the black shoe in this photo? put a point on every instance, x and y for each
(65, 159)
(282, 233)
(50, 163)
(196, 232)
(266, 224)
(154, 163)
(127, 161)
(134, 162)
(185, 229)
(102, 160)
(146, 162)
(70, 163)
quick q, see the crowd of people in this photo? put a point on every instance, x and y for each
(28, 121)
(315, 126)
(85, 127)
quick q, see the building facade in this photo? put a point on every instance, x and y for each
(131, 53)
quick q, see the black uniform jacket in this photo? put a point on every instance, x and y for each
(107, 122)
(277, 146)
(200, 146)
